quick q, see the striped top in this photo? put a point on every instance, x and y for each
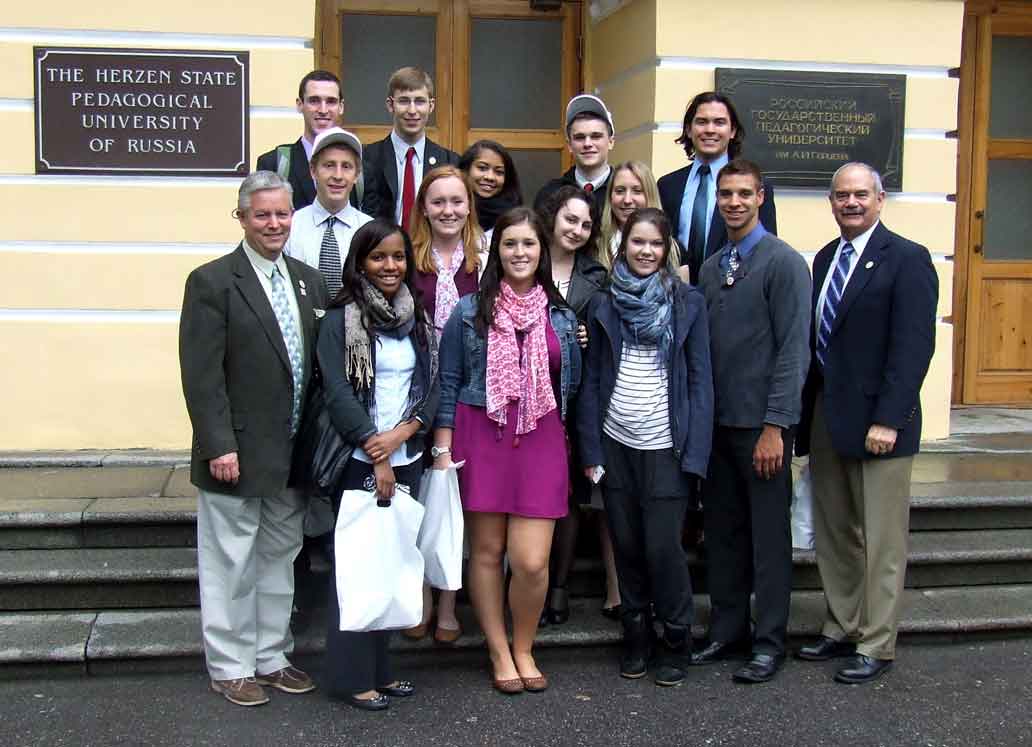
(638, 414)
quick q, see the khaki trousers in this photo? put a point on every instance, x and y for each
(245, 557)
(861, 524)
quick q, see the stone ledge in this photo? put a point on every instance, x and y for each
(91, 565)
(95, 458)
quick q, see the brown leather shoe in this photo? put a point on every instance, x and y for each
(417, 633)
(535, 684)
(447, 636)
(243, 691)
(289, 680)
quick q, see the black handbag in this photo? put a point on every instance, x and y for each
(320, 453)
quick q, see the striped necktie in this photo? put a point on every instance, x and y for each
(329, 258)
(832, 299)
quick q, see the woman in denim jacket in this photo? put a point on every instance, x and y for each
(510, 365)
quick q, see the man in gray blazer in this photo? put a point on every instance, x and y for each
(246, 342)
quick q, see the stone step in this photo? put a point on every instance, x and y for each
(147, 640)
(37, 523)
(93, 578)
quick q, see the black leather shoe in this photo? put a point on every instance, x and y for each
(380, 703)
(403, 689)
(675, 646)
(826, 648)
(634, 663)
(861, 669)
(719, 651)
(760, 668)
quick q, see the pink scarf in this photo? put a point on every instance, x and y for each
(511, 376)
(447, 292)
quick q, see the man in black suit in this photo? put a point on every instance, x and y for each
(394, 167)
(319, 103)
(246, 342)
(872, 336)
(589, 137)
(711, 135)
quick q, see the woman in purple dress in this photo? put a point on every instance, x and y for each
(510, 365)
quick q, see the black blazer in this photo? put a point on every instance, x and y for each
(380, 171)
(300, 176)
(671, 195)
(880, 347)
(236, 374)
(587, 279)
(598, 196)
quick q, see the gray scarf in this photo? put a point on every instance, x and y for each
(393, 318)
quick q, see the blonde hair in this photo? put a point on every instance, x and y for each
(643, 174)
(419, 224)
(410, 79)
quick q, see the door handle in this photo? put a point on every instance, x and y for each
(979, 215)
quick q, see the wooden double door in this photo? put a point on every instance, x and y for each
(993, 284)
(502, 71)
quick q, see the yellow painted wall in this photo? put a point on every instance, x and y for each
(647, 82)
(108, 380)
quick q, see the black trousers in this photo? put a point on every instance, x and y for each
(646, 496)
(748, 541)
(357, 662)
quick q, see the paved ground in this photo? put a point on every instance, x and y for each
(959, 694)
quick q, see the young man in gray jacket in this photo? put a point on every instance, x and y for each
(757, 291)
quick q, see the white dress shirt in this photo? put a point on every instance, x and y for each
(263, 269)
(859, 244)
(309, 226)
(596, 182)
(395, 364)
(400, 151)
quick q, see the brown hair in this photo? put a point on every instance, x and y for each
(710, 97)
(419, 224)
(410, 79)
(741, 167)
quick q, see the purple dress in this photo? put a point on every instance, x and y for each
(531, 479)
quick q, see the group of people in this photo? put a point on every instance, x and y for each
(638, 345)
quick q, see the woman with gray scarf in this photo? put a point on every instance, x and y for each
(644, 421)
(377, 353)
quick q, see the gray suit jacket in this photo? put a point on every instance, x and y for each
(236, 374)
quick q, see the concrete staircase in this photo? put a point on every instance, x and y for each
(98, 561)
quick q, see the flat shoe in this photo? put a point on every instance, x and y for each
(447, 636)
(508, 687)
(403, 689)
(417, 633)
(380, 703)
(861, 669)
(612, 613)
(826, 648)
(535, 684)
(759, 668)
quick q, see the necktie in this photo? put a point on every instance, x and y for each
(832, 299)
(589, 188)
(733, 262)
(697, 234)
(408, 189)
(329, 258)
(292, 340)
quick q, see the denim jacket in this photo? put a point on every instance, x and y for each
(464, 360)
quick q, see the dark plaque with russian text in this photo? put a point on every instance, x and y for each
(141, 111)
(801, 126)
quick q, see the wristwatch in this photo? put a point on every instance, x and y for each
(436, 451)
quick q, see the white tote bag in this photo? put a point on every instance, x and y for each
(440, 536)
(802, 510)
(377, 566)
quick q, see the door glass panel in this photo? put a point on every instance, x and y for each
(515, 74)
(1010, 115)
(536, 167)
(1008, 211)
(373, 47)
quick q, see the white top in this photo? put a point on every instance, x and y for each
(597, 182)
(395, 363)
(563, 286)
(309, 225)
(400, 151)
(263, 270)
(638, 414)
(859, 244)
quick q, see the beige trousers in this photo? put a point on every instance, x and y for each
(861, 512)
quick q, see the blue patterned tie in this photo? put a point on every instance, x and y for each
(292, 340)
(832, 299)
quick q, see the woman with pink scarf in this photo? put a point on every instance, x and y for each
(510, 365)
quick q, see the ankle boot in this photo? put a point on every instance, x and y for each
(676, 655)
(637, 644)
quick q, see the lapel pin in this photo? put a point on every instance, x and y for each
(301, 285)
(433, 160)
(869, 265)
(730, 280)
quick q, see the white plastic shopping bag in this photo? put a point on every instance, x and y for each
(802, 510)
(377, 566)
(440, 536)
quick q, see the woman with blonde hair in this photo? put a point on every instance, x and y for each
(632, 186)
(447, 241)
